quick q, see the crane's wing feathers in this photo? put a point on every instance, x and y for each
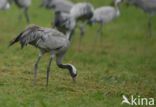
(30, 35)
(45, 38)
(64, 6)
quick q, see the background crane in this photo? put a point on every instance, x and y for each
(4, 5)
(58, 6)
(80, 12)
(24, 5)
(148, 6)
(105, 14)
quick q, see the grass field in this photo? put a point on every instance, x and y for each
(123, 61)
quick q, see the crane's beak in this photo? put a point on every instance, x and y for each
(74, 79)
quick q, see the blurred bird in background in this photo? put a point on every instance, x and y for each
(104, 15)
(148, 6)
(4, 5)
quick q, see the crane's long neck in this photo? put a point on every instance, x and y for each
(71, 27)
(117, 9)
(69, 34)
(70, 67)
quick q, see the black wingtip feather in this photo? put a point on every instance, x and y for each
(15, 39)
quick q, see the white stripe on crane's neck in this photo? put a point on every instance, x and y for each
(73, 68)
(7, 6)
(117, 2)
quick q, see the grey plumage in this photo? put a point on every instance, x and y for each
(148, 6)
(4, 5)
(58, 5)
(64, 23)
(24, 5)
(47, 40)
(61, 21)
(61, 6)
(80, 12)
(105, 14)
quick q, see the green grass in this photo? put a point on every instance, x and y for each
(124, 62)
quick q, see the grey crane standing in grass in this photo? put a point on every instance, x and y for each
(47, 40)
(24, 5)
(105, 14)
(79, 12)
(65, 7)
(4, 5)
(148, 6)
(59, 6)
(82, 12)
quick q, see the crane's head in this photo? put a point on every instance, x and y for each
(70, 67)
(73, 71)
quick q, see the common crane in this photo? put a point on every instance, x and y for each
(61, 6)
(24, 5)
(148, 6)
(4, 5)
(105, 14)
(80, 12)
(64, 23)
(46, 40)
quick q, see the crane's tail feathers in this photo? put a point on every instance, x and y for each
(15, 39)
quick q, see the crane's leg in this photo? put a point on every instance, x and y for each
(36, 66)
(150, 25)
(82, 31)
(48, 67)
(81, 34)
(26, 15)
(98, 36)
(99, 32)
